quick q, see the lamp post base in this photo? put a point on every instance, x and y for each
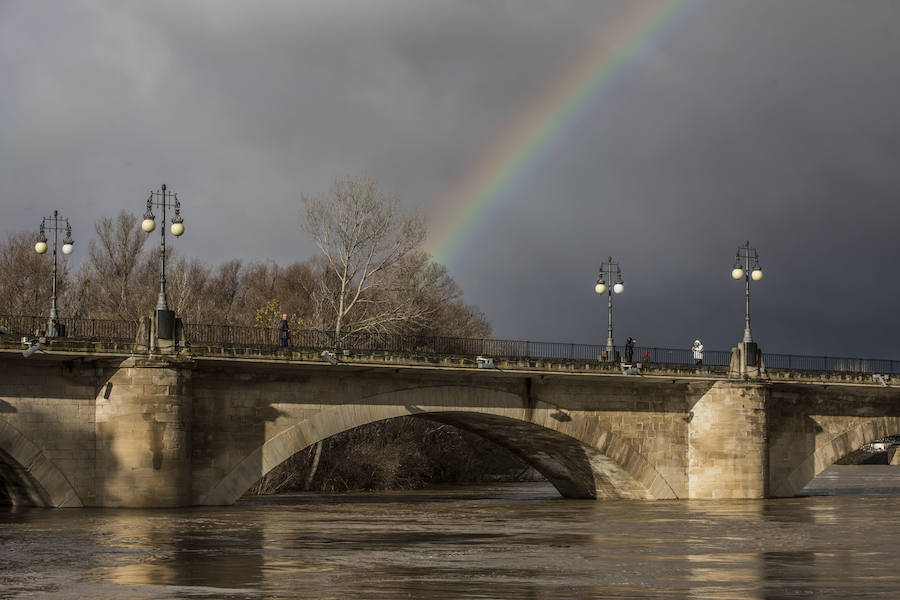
(747, 361)
(165, 324)
(149, 340)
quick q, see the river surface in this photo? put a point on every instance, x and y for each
(504, 541)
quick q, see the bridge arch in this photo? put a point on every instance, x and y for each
(830, 450)
(578, 456)
(28, 477)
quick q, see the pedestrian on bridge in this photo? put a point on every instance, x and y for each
(285, 332)
(697, 349)
(629, 350)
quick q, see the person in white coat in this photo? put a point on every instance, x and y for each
(697, 349)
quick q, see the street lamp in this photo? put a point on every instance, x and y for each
(610, 268)
(743, 270)
(165, 318)
(54, 224)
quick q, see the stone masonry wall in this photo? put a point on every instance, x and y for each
(812, 426)
(728, 452)
(135, 431)
(143, 425)
(47, 426)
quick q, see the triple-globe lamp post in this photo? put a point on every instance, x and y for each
(746, 267)
(609, 270)
(163, 199)
(54, 224)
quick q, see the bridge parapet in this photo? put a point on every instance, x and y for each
(241, 340)
(120, 348)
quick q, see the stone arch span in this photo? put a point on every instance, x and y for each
(28, 477)
(578, 456)
(830, 450)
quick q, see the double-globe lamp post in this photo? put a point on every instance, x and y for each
(744, 270)
(54, 224)
(610, 269)
(165, 318)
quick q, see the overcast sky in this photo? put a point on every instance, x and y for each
(769, 121)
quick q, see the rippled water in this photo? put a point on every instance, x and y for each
(517, 541)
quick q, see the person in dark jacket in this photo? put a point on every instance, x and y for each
(285, 332)
(629, 350)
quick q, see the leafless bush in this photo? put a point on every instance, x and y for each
(402, 453)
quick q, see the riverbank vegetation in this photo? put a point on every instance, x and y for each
(403, 453)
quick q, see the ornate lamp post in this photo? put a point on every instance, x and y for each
(743, 270)
(165, 318)
(609, 268)
(54, 225)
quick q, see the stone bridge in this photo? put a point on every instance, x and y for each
(103, 426)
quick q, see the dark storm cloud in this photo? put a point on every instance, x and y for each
(768, 121)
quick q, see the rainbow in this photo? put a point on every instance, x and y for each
(472, 201)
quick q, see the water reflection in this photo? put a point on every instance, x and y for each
(187, 550)
(790, 575)
(488, 542)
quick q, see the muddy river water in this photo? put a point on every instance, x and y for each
(504, 541)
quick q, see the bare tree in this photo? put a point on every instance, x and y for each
(26, 277)
(188, 296)
(361, 233)
(435, 299)
(296, 285)
(227, 289)
(407, 297)
(260, 283)
(116, 268)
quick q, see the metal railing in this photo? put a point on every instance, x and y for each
(234, 337)
(95, 329)
(793, 362)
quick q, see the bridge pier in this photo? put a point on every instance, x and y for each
(728, 453)
(143, 429)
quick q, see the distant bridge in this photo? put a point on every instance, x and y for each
(95, 420)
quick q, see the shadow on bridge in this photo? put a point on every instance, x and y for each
(28, 476)
(810, 430)
(47, 432)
